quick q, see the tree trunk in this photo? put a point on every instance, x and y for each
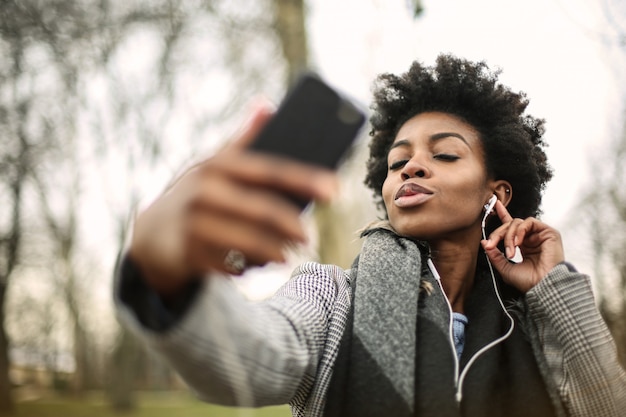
(6, 398)
(123, 369)
(290, 26)
(123, 373)
(80, 358)
(11, 254)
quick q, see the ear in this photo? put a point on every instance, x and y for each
(503, 190)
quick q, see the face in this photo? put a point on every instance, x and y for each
(436, 183)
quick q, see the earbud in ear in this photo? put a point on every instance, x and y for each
(490, 204)
(488, 208)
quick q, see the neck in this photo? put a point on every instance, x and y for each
(456, 265)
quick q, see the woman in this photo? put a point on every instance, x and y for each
(432, 319)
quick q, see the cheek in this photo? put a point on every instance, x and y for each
(468, 196)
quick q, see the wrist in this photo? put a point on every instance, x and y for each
(167, 281)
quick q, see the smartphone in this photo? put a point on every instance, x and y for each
(314, 123)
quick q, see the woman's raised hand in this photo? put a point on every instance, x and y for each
(540, 244)
(232, 201)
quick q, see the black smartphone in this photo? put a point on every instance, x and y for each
(314, 123)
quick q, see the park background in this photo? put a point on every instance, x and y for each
(102, 102)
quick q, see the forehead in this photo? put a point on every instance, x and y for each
(425, 125)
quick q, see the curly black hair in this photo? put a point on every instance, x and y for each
(512, 141)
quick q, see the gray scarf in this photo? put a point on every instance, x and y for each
(375, 372)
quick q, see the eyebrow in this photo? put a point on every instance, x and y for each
(432, 138)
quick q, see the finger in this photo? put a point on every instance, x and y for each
(509, 233)
(513, 237)
(208, 235)
(506, 234)
(497, 258)
(503, 213)
(262, 111)
(251, 204)
(497, 235)
(203, 258)
(533, 240)
(530, 234)
(268, 171)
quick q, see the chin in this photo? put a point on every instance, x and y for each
(414, 231)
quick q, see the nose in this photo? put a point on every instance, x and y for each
(415, 168)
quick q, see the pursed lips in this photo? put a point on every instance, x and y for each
(411, 194)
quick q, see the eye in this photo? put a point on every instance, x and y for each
(446, 157)
(398, 164)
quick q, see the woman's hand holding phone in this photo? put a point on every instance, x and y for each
(235, 200)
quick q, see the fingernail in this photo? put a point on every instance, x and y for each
(261, 104)
(328, 186)
(509, 252)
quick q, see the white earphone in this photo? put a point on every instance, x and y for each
(517, 257)
(488, 209)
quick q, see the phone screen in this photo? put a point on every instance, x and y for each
(314, 124)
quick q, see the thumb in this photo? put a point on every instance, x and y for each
(262, 112)
(497, 258)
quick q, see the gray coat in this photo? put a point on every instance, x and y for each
(235, 352)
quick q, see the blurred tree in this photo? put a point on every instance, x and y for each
(290, 24)
(70, 85)
(601, 213)
(38, 340)
(123, 372)
(23, 145)
(172, 81)
(62, 227)
(416, 7)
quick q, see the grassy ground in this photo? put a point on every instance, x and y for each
(149, 405)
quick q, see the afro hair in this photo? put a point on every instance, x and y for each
(512, 141)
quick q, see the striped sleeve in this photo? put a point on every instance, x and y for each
(577, 344)
(236, 352)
